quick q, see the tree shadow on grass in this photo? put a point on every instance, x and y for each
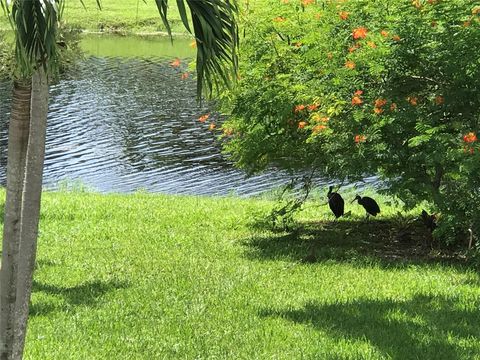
(424, 327)
(86, 294)
(386, 242)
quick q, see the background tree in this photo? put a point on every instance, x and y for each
(35, 26)
(360, 88)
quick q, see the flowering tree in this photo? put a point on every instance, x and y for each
(356, 88)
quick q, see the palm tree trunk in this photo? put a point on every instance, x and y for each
(31, 206)
(17, 148)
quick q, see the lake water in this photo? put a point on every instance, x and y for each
(126, 121)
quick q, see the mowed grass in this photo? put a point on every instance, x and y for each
(130, 16)
(173, 277)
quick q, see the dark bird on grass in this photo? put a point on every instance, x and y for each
(370, 205)
(335, 202)
(430, 221)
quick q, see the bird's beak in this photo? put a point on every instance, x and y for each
(352, 201)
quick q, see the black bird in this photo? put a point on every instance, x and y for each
(370, 205)
(430, 221)
(335, 202)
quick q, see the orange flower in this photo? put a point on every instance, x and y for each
(316, 129)
(393, 107)
(185, 75)
(358, 92)
(396, 38)
(439, 100)
(380, 102)
(312, 107)
(299, 108)
(325, 119)
(193, 44)
(350, 65)
(175, 63)
(357, 100)
(417, 4)
(307, 2)
(212, 126)
(359, 138)
(302, 124)
(203, 118)
(467, 23)
(378, 111)
(279, 19)
(360, 33)
(353, 48)
(413, 100)
(470, 137)
(343, 15)
(228, 132)
(372, 44)
(384, 33)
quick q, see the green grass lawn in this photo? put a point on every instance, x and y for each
(168, 277)
(136, 16)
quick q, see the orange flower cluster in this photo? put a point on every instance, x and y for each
(470, 138)
(299, 108)
(212, 126)
(279, 19)
(203, 118)
(396, 38)
(354, 47)
(413, 100)
(417, 4)
(359, 139)
(371, 44)
(384, 33)
(302, 124)
(343, 15)
(185, 75)
(357, 100)
(379, 104)
(307, 2)
(350, 64)
(318, 128)
(359, 33)
(228, 132)
(175, 63)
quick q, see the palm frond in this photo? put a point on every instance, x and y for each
(216, 34)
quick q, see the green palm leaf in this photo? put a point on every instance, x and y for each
(216, 35)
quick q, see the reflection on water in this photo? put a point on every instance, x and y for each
(120, 123)
(123, 124)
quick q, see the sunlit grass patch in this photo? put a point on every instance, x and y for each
(152, 276)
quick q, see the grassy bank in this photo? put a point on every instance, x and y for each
(131, 16)
(163, 277)
(125, 15)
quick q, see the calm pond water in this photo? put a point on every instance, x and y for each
(126, 121)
